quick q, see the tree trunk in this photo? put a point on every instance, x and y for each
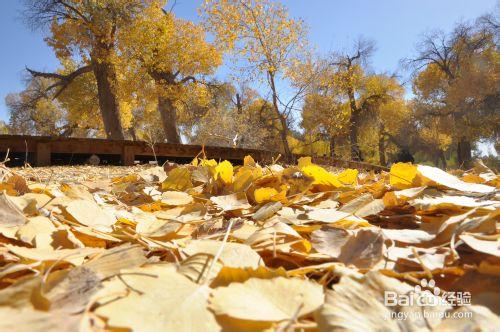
(239, 107)
(105, 76)
(353, 136)
(442, 158)
(381, 146)
(284, 137)
(310, 144)
(168, 115)
(353, 127)
(282, 119)
(464, 153)
(332, 146)
(132, 133)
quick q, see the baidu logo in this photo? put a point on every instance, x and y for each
(426, 294)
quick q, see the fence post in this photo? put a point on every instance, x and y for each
(43, 152)
(128, 155)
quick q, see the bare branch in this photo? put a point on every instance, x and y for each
(62, 81)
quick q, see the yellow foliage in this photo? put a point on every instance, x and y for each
(172, 52)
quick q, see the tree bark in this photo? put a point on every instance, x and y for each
(168, 115)
(332, 146)
(353, 127)
(464, 153)
(442, 158)
(381, 146)
(239, 107)
(282, 119)
(132, 133)
(105, 76)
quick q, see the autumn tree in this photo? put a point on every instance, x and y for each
(86, 31)
(386, 110)
(262, 34)
(349, 79)
(4, 128)
(31, 113)
(455, 81)
(80, 100)
(238, 117)
(325, 114)
(75, 111)
(379, 99)
(346, 99)
(174, 53)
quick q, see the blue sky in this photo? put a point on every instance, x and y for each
(395, 26)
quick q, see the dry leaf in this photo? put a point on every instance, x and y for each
(489, 246)
(90, 214)
(156, 298)
(358, 305)
(235, 255)
(175, 198)
(362, 248)
(10, 215)
(436, 176)
(244, 248)
(268, 300)
(231, 202)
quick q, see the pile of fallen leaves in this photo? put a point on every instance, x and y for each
(210, 246)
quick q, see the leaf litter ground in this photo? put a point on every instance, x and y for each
(214, 247)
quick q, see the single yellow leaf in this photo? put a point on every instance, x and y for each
(321, 176)
(178, 179)
(248, 161)
(224, 171)
(403, 176)
(304, 161)
(264, 194)
(245, 177)
(208, 162)
(348, 177)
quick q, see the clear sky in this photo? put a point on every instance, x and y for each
(395, 26)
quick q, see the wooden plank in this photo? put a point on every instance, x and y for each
(43, 152)
(87, 147)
